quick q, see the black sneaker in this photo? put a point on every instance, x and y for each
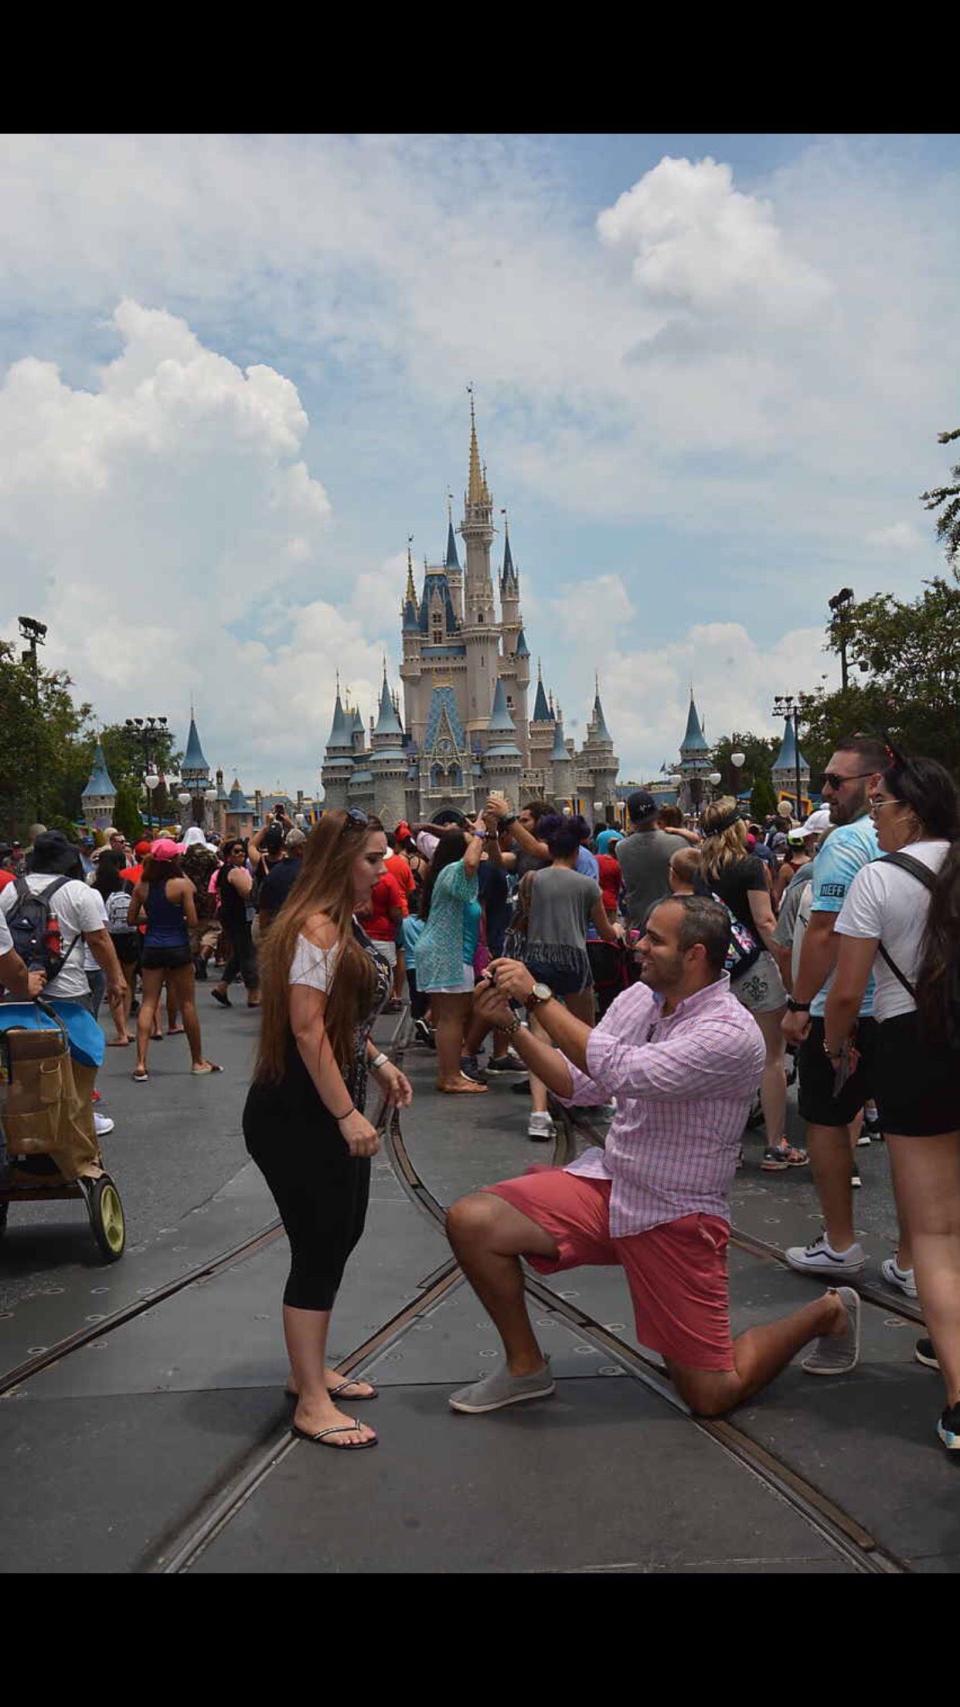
(924, 1353)
(471, 1069)
(948, 1428)
(505, 1064)
(424, 1034)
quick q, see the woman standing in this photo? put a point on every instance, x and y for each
(730, 871)
(901, 922)
(451, 913)
(563, 903)
(115, 894)
(165, 897)
(304, 1125)
(237, 912)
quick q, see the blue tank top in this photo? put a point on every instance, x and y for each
(166, 920)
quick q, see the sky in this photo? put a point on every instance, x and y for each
(709, 373)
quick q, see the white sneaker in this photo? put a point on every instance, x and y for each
(102, 1124)
(901, 1279)
(863, 1141)
(820, 1258)
(541, 1128)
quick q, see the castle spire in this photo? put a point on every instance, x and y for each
(453, 561)
(476, 483)
(410, 596)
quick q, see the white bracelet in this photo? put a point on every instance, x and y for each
(379, 1061)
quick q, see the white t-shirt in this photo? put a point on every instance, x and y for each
(312, 965)
(78, 909)
(888, 903)
(6, 940)
(90, 962)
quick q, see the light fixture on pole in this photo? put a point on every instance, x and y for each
(714, 779)
(842, 607)
(738, 761)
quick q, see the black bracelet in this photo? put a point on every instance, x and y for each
(339, 1117)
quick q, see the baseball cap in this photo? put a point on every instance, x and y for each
(641, 805)
(796, 838)
(273, 840)
(142, 849)
(164, 848)
(818, 821)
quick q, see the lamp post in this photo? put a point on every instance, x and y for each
(842, 606)
(34, 633)
(714, 779)
(146, 730)
(737, 760)
(793, 707)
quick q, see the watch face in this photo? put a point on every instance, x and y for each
(542, 992)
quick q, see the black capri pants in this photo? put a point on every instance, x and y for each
(320, 1190)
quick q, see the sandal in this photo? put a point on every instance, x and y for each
(140, 1077)
(118, 1042)
(224, 1001)
(342, 1428)
(208, 1067)
(174, 1030)
(468, 1088)
(335, 1392)
(774, 1161)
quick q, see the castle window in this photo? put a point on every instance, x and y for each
(479, 615)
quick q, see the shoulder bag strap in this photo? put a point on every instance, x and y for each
(917, 869)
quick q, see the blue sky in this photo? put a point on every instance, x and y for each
(709, 373)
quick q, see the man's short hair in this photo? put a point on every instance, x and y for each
(538, 809)
(872, 749)
(703, 921)
(294, 839)
(685, 863)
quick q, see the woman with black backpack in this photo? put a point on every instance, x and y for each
(900, 923)
(732, 874)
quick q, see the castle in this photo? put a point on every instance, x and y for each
(466, 676)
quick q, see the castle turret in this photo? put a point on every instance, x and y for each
(537, 776)
(784, 769)
(338, 761)
(695, 762)
(598, 763)
(503, 760)
(388, 761)
(480, 634)
(561, 767)
(100, 796)
(454, 571)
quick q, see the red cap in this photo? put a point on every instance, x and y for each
(142, 849)
(403, 831)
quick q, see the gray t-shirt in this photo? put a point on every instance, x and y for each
(792, 896)
(560, 907)
(644, 858)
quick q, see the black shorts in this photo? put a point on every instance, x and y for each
(816, 1102)
(917, 1084)
(127, 945)
(165, 959)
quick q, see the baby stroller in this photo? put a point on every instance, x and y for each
(47, 1140)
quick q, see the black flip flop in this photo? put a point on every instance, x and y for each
(342, 1428)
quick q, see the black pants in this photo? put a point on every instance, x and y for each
(243, 957)
(320, 1190)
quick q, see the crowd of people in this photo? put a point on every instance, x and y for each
(661, 973)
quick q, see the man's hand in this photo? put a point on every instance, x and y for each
(795, 1026)
(512, 979)
(496, 809)
(35, 984)
(490, 1005)
(116, 992)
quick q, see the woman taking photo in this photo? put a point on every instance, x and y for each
(901, 922)
(561, 904)
(451, 913)
(729, 871)
(165, 897)
(323, 985)
(235, 889)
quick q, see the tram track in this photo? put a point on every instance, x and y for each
(839, 1528)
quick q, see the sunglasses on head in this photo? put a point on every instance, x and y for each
(355, 816)
(832, 780)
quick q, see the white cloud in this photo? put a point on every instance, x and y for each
(156, 517)
(698, 243)
(899, 536)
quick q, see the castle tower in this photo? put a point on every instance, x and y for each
(514, 666)
(503, 760)
(695, 762)
(99, 797)
(454, 571)
(195, 773)
(388, 761)
(784, 769)
(540, 742)
(238, 815)
(598, 762)
(561, 767)
(337, 762)
(480, 632)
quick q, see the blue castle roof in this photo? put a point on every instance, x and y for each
(694, 738)
(559, 750)
(786, 759)
(501, 722)
(541, 710)
(99, 782)
(388, 723)
(238, 801)
(437, 581)
(193, 759)
(523, 650)
(453, 561)
(443, 700)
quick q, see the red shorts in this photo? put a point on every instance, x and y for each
(677, 1272)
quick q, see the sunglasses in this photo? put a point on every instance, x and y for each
(355, 816)
(875, 801)
(834, 781)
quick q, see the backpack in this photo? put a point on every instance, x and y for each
(929, 881)
(199, 864)
(29, 921)
(118, 907)
(744, 948)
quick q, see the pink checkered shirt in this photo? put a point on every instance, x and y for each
(684, 1083)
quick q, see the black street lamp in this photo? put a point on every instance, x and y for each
(146, 730)
(34, 633)
(842, 606)
(793, 707)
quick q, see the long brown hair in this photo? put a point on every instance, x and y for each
(324, 885)
(724, 836)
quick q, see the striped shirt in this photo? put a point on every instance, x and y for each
(684, 1083)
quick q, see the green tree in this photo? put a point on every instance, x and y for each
(947, 500)
(126, 812)
(759, 752)
(41, 724)
(763, 798)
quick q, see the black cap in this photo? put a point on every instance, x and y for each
(52, 853)
(641, 806)
(450, 815)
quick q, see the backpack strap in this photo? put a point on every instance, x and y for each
(45, 895)
(917, 869)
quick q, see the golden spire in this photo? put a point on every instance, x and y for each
(476, 485)
(411, 593)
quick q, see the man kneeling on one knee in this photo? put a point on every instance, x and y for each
(683, 1059)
